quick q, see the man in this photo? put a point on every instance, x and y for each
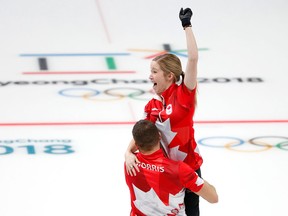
(159, 187)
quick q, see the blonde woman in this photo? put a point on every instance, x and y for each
(172, 110)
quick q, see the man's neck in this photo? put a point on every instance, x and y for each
(156, 148)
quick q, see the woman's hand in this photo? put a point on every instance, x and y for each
(131, 163)
(185, 17)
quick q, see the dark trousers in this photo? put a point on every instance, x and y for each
(191, 201)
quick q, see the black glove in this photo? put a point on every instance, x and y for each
(185, 17)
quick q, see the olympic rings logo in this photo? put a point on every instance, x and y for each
(109, 94)
(255, 144)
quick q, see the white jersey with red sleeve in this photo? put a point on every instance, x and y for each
(173, 114)
(159, 187)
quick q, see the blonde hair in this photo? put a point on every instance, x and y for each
(170, 63)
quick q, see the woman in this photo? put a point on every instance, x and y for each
(172, 109)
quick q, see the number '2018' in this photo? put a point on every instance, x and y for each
(227, 80)
(31, 150)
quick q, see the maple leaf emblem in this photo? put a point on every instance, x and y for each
(177, 155)
(149, 203)
(167, 135)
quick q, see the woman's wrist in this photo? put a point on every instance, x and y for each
(187, 26)
(127, 153)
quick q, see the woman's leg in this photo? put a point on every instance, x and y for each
(191, 201)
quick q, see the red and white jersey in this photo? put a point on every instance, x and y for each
(173, 114)
(159, 187)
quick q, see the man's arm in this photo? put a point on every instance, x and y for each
(190, 180)
(208, 192)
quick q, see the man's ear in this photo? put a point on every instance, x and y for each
(160, 137)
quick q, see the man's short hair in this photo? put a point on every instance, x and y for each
(145, 134)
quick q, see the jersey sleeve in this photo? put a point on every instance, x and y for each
(186, 97)
(189, 178)
(147, 111)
